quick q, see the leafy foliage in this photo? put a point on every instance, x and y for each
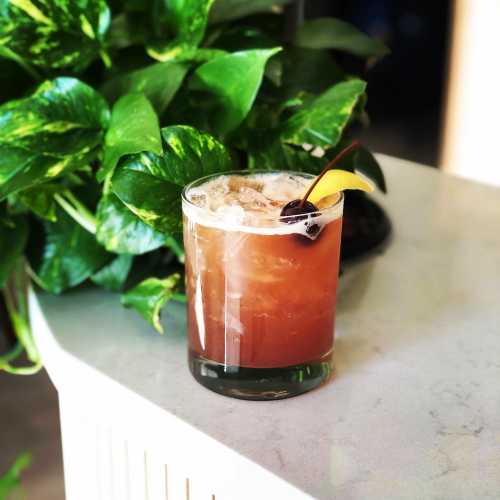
(322, 122)
(185, 20)
(53, 34)
(126, 136)
(331, 33)
(236, 92)
(159, 82)
(149, 296)
(70, 255)
(11, 480)
(114, 275)
(40, 200)
(55, 130)
(121, 231)
(226, 10)
(195, 87)
(150, 185)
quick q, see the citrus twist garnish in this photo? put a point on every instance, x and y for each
(330, 182)
(335, 181)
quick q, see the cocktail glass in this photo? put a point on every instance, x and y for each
(261, 299)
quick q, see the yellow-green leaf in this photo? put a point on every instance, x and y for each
(322, 122)
(149, 296)
(134, 127)
(54, 34)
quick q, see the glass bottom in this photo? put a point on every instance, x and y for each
(260, 384)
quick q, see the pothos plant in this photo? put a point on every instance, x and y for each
(110, 109)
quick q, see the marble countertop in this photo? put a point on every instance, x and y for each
(413, 411)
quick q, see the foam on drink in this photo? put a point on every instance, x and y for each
(252, 203)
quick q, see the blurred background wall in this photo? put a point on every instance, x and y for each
(434, 99)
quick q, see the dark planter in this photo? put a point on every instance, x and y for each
(366, 227)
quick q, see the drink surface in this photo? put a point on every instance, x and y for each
(253, 202)
(261, 293)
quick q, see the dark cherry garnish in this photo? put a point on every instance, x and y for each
(295, 211)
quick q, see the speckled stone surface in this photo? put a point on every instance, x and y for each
(414, 409)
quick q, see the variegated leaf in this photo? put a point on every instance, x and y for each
(149, 296)
(184, 21)
(121, 231)
(151, 185)
(53, 34)
(322, 122)
(58, 128)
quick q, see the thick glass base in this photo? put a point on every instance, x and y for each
(260, 384)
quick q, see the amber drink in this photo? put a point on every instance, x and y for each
(261, 288)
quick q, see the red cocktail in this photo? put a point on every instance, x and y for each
(261, 288)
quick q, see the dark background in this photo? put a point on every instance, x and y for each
(407, 87)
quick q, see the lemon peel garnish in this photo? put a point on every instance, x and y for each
(335, 181)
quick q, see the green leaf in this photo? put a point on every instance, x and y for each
(307, 70)
(70, 255)
(149, 296)
(236, 90)
(56, 129)
(225, 10)
(61, 117)
(54, 34)
(192, 154)
(121, 231)
(12, 478)
(331, 33)
(40, 200)
(113, 276)
(322, 122)
(185, 21)
(151, 185)
(269, 153)
(12, 242)
(366, 163)
(15, 294)
(159, 82)
(133, 128)
(154, 200)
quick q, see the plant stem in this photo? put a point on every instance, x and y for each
(176, 248)
(22, 370)
(11, 355)
(329, 165)
(15, 294)
(75, 209)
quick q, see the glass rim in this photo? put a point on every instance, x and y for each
(269, 218)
